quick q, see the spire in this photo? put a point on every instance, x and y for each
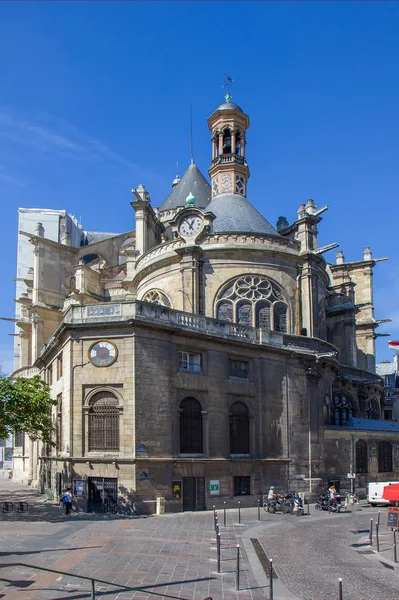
(191, 136)
(177, 178)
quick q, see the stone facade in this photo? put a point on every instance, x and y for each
(204, 355)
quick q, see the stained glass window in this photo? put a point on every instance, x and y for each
(280, 317)
(244, 313)
(263, 315)
(225, 312)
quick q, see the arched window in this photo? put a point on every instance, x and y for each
(157, 297)
(190, 426)
(263, 318)
(255, 301)
(227, 141)
(280, 317)
(239, 429)
(343, 410)
(244, 313)
(384, 457)
(361, 457)
(103, 427)
(225, 312)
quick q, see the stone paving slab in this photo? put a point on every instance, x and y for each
(176, 555)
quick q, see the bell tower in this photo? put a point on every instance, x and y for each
(229, 171)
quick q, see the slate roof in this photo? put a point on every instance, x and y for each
(373, 425)
(385, 368)
(234, 214)
(192, 181)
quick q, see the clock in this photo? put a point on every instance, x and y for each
(190, 226)
(103, 354)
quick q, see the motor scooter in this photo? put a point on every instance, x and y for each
(334, 504)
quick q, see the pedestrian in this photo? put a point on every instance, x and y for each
(67, 501)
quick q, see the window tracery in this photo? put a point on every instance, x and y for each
(253, 300)
(157, 297)
(344, 410)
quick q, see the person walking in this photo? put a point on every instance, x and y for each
(67, 501)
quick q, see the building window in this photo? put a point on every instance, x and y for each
(189, 361)
(239, 429)
(361, 457)
(254, 301)
(387, 381)
(19, 439)
(343, 410)
(157, 297)
(59, 431)
(242, 485)
(384, 457)
(50, 374)
(104, 423)
(190, 426)
(59, 366)
(388, 415)
(238, 368)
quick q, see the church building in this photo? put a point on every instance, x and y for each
(204, 355)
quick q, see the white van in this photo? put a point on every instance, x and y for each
(375, 491)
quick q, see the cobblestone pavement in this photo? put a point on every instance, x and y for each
(175, 555)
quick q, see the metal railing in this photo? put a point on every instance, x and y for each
(93, 581)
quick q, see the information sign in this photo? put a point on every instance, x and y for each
(392, 518)
(214, 487)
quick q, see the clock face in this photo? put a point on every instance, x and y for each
(190, 226)
(103, 354)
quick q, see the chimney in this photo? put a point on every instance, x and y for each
(396, 362)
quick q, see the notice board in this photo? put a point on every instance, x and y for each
(393, 518)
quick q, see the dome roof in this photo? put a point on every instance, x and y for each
(234, 214)
(229, 106)
(192, 182)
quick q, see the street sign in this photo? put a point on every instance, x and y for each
(350, 476)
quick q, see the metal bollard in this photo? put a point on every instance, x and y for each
(329, 507)
(239, 513)
(224, 514)
(238, 568)
(378, 518)
(214, 511)
(271, 595)
(395, 556)
(218, 550)
(258, 510)
(371, 532)
(340, 588)
(308, 506)
(93, 590)
(377, 535)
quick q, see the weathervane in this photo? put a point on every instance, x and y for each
(228, 82)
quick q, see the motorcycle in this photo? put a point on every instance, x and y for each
(333, 504)
(289, 503)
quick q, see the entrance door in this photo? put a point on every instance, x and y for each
(193, 493)
(103, 495)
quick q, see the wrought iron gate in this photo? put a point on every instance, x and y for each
(103, 495)
(193, 493)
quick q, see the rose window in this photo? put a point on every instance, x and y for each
(255, 301)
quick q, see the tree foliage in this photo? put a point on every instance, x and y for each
(25, 405)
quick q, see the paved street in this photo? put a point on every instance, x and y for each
(174, 556)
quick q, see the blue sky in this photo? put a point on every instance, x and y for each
(94, 99)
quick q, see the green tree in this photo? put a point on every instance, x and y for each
(25, 405)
